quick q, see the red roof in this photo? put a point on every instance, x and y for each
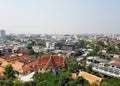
(116, 63)
(16, 58)
(36, 68)
(26, 51)
(26, 69)
(43, 62)
(33, 63)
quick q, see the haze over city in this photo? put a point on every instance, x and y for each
(60, 16)
(59, 42)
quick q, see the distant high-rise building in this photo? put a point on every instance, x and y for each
(47, 44)
(2, 33)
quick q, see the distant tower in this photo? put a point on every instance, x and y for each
(2, 33)
(47, 44)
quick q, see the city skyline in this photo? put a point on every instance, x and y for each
(60, 17)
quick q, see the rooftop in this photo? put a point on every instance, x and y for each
(90, 78)
(116, 63)
(44, 62)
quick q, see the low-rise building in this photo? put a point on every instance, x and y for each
(92, 79)
(111, 69)
(50, 64)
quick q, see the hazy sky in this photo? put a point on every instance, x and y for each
(60, 16)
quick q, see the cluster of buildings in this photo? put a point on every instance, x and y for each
(24, 64)
(105, 67)
(13, 50)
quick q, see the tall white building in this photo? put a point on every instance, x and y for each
(2, 33)
(47, 44)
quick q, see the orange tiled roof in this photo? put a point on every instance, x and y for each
(25, 69)
(36, 68)
(2, 60)
(17, 66)
(16, 57)
(12, 59)
(1, 69)
(58, 61)
(31, 63)
(25, 57)
(91, 78)
(73, 76)
(4, 64)
(5, 57)
(44, 62)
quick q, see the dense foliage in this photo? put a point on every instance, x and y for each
(9, 72)
(45, 79)
(110, 82)
(50, 79)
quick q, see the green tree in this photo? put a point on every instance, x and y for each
(42, 44)
(96, 49)
(110, 82)
(64, 77)
(29, 83)
(18, 83)
(45, 79)
(111, 48)
(101, 43)
(92, 53)
(118, 46)
(82, 82)
(72, 65)
(6, 83)
(9, 72)
(82, 67)
(29, 46)
(31, 52)
(72, 83)
(82, 43)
